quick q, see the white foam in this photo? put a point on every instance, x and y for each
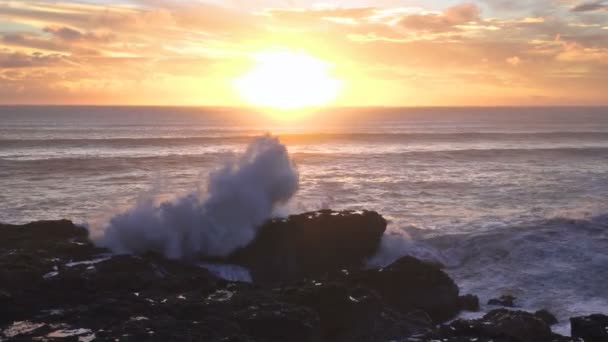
(240, 196)
(97, 260)
(20, 328)
(555, 264)
(220, 296)
(229, 272)
(50, 275)
(63, 333)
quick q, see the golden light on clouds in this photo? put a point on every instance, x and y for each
(285, 79)
(360, 53)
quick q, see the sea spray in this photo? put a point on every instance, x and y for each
(396, 243)
(240, 196)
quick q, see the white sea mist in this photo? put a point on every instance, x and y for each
(239, 197)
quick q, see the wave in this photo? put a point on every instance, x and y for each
(225, 138)
(302, 155)
(554, 263)
(239, 197)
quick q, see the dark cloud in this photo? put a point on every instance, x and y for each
(68, 34)
(65, 33)
(591, 6)
(31, 41)
(38, 42)
(509, 8)
(21, 60)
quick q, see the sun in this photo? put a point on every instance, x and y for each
(288, 80)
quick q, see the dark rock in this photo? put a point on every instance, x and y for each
(351, 313)
(499, 325)
(469, 302)
(518, 324)
(30, 252)
(410, 285)
(5, 296)
(546, 316)
(504, 300)
(592, 328)
(55, 279)
(311, 244)
(279, 322)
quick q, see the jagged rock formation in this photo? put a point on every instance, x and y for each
(309, 285)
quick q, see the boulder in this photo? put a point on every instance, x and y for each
(469, 302)
(498, 325)
(592, 328)
(520, 325)
(310, 245)
(53, 281)
(504, 300)
(351, 313)
(29, 255)
(546, 316)
(410, 285)
(278, 322)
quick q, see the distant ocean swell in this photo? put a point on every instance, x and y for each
(169, 155)
(245, 137)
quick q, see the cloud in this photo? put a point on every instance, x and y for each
(300, 14)
(591, 6)
(159, 50)
(573, 52)
(42, 44)
(514, 61)
(71, 35)
(31, 41)
(509, 8)
(22, 60)
(64, 33)
(447, 20)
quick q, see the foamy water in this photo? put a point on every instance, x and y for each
(491, 192)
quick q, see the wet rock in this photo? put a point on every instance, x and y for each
(499, 325)
(53, 281)
(518, 324)
(60, 283)
(279, 322)
(546, 316)
(311, 244)
(410, 285)
(592, 328)
(5, 296)
(469, 302)
(351, 313)
(504, 300)
(30, 252)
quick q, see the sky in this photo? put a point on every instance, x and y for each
(386, 52)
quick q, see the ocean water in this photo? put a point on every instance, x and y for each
(511, 200)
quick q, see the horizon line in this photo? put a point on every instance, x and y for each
(308, 108)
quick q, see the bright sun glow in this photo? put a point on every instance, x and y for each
(288, 80)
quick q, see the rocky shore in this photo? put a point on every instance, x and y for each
(309, 283)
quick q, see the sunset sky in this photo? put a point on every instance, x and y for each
(386, 52)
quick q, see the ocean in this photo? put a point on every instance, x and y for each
(511, 200)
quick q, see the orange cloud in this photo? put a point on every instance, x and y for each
(447, 20)
(166, 52)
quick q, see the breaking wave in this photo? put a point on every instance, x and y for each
(239, 197)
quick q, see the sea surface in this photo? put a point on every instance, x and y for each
(511, 200)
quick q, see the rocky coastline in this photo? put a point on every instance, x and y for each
(308, 283)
